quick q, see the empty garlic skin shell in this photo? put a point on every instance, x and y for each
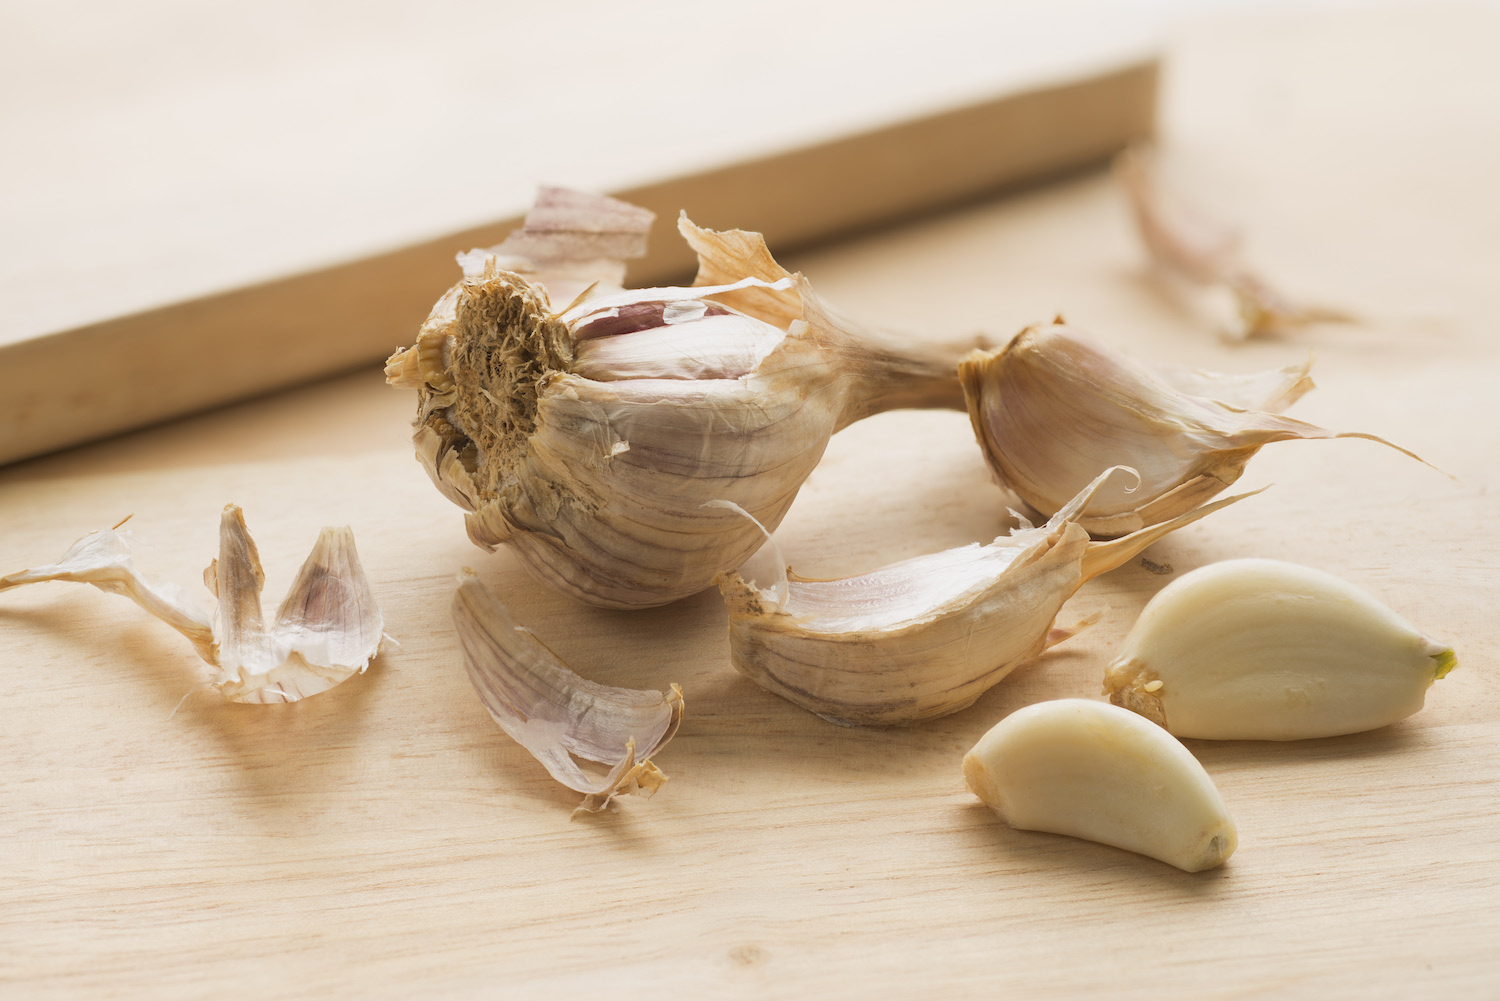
(1054, 406)
(1097, 772)
(1259, 649)
(927, 636)
(589, 444)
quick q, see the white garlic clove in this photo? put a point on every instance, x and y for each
(1259, 649)
(327, 629)
(1097, 772)
(558, 716)
(1054, 406)
(588, 439)
(925, 637)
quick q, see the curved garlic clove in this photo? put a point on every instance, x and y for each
(558, 716)
(1093, 771)
(925, 637)
(327, 629)
(1190, 245)
(1258, 649)
(1054, 406)
(588, 439)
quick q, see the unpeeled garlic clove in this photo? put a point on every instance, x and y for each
(925, 637)
(1054, 406)
(327, 629)
(1097, 772)
(558, 716)
(1259, 649)
(587, 435)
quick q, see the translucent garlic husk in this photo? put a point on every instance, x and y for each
(1054, 406)
(925, 637)
(587, 437)
(560, 717)
(326, 630)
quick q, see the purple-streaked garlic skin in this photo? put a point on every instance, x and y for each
(1055, 406)
(588, 435)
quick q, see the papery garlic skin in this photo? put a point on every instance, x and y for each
(925, 637)
(1097, 772)
(1258, 649)
(558, 716)
(327, 629)
(1054, 406)
(588, 437)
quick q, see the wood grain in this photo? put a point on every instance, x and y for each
(386, 840)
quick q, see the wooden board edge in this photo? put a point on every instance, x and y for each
(72, 386)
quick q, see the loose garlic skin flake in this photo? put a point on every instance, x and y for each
(1259, 649)
(1098, 772)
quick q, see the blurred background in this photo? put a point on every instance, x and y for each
(202, 146)
(158, 152)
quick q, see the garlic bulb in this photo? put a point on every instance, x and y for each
(556, 715)
(1053, 407)
(587, 436)
(1263, 650)
(1092, 771)
(925, 637)
(1191, 246)
(327, 628)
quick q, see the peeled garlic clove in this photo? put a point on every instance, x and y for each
(588, 438)
(1190, 244)
(925, 637)
(557, 715)
(1093, 771)
(327, 629)
(1263, 650)
(1053, 407)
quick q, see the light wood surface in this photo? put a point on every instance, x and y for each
(387, 840)
(291, 209)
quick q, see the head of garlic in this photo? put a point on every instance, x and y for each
(587, 435)
(925, 637)
(1054, 406)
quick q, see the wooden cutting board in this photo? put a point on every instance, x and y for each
(387, 840)
(216, 210)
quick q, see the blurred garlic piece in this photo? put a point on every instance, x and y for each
(1263, 650)
(588, 437)
(925, 637)
(1092, 771)
(1054, 406)
(1191, 246)
(327, 629)
(557, 715)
